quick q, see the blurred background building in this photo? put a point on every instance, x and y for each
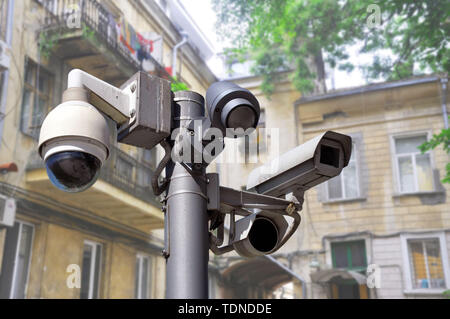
(388, 208)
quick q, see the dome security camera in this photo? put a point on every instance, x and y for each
(75, 136)
(74, 144)
(232, 107)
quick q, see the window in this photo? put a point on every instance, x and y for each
(345, 185)
(16, 261)
(143, 277)
(1, 93)
(262, 134)
(414, 171)
(50, 5)
(149, 157)
(36, 98)
(144, 177)
(255, 143)
(90, 273)
(349, 255)
(124, 169)
(3, 19)
(426, 264)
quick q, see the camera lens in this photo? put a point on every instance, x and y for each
(73, 171)
(241, 116)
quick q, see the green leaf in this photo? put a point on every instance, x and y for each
(283, 34)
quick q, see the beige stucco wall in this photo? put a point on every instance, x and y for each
(59, 247)
(55, 247)
(377, 117)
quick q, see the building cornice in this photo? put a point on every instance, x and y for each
(367, 89)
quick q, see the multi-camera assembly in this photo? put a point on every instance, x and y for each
(268, 220)
(74, 143)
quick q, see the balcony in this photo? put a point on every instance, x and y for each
(84, 34)
(122, 192)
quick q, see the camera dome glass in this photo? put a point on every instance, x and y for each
(73, 171)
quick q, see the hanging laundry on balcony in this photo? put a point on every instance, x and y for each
(144, 53)
(128, 36)
(135, 42)
(146, 43)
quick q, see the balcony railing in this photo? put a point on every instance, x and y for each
(65, 14)
(120, 170)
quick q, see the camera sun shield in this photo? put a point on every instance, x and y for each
(232, 107)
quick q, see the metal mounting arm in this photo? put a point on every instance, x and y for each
(245, 204)
(116, 103)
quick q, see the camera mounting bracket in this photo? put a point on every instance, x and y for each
(117, 103)
(243, 203)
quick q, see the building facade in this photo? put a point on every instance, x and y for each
(105, 242)
(381, 228)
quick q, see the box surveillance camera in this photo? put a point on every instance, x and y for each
(307, 165)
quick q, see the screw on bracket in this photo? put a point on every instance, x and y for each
(165, 254)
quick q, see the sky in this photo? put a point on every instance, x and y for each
(205, 17)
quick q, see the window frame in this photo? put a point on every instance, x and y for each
(259, 136)
(94, 245)
(407, 277)
(49, 5)
(14, 277)
(138, 291)
(26, 128)
(153, 163)
(395, 162)
(356, 158)
(323, 194)
(6, 18)
(120, 169)
(348, 244)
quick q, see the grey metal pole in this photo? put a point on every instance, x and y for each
(186, 216)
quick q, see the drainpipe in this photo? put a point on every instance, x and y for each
(175, 50)
(444, 101)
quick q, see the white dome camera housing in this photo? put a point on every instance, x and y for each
(74, 144)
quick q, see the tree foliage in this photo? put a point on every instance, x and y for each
(439, 139)
(300, 35)
(177, 85)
